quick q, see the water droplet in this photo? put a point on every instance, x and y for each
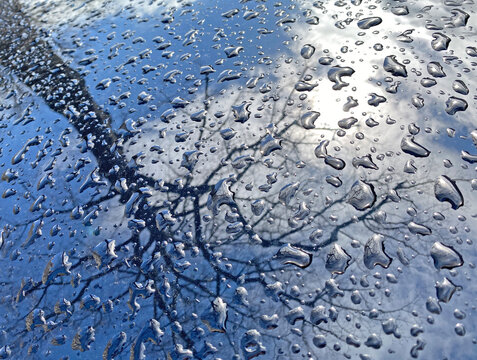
(445, 257)
(374, 253)
(433, 306)
(308, 119)
(400, 10)
(301, 86)
(220, 195)
(440, 41)
(83, 339)
(373, 341)
(336, 73)
(409, 146)
(337, 260)
(361, 196)
(435, 69)
(325, 60)
(471, 51)
(347, 123)
(428, 82)
(294, 315)
(376, 99)
(394, 67)
(318, 315)
(215, 318)
(369, 22)
(460, 329)
(289, 254)
(445, 289)
(251, 345)
(115, 346)
(269, 144)
(288, 192)
(420, 229)
(334, 162)
(319, 341)
(459, 87)
(307, 51)
(454, 104)
(446, 190)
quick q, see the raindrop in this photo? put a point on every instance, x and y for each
(337, 260)
(289, 254)
(347, 123)
(307, 51)
(287, 193)
(440, 41)
(445, 257)
(308, 119)
(370, 22)
(336, 73)
(215, 318)
(444, 290)
(251, 345)
(446, 190)
(361, 196)
(435, 69)
(419, 229)
(374, 253)
(241, 112)
(454, 104)
(394, 67)
(409, 146)
(460, 329)
(459, 87)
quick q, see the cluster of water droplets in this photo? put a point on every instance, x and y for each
(240, 180)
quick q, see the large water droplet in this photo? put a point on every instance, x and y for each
(455, 104)
(374, 253)
(307, 51)
(337, 260)
(308, 119)
(289, 254)
(369, 22)
(361, 195)
(220, 195)
(215, 318)
(445, 289)
(446, 190)
(440, 41)
(394, 67)
(445, 257)
(288, 192)
(336, 73)
(409, 146)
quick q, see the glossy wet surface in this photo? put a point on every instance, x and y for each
(238, 179)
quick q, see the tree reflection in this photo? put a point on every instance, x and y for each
(260, 262)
